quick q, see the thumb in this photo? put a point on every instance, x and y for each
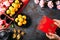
(54, 36)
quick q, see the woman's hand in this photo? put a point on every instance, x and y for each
(57, 22)
(53, 36)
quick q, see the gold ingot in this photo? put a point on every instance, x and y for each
(18, 5)
(19, 24)
(18, 36)
(24, 17)
(16, 20)
(14, 35)
(19, 16)
(12, 13)
(8, 11)
(10, 8)
(18, 30)
(14, 30)
(20, 19)
(16, 9)
(15, 5)
(16, 1)
(24, 22)
(22, 33)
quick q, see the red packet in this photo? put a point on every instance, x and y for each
(47, 25)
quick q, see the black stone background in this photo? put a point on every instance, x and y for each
(36, 13)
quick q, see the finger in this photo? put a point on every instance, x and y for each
(52, 36)
(56, 24)
(56, 20)
(48, 36)
(55, 36)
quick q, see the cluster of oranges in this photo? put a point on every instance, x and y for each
(21, 20)
(13, 8)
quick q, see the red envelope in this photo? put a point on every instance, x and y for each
(47, 25)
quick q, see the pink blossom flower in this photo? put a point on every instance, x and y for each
(6, 3)
(58, 2)
(50, 4)
(58, 7)
(11, 1)
(0, 0)
(36, 1)
(1, 5)
(41, 3)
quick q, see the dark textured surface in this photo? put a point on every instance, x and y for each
(36, 13)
